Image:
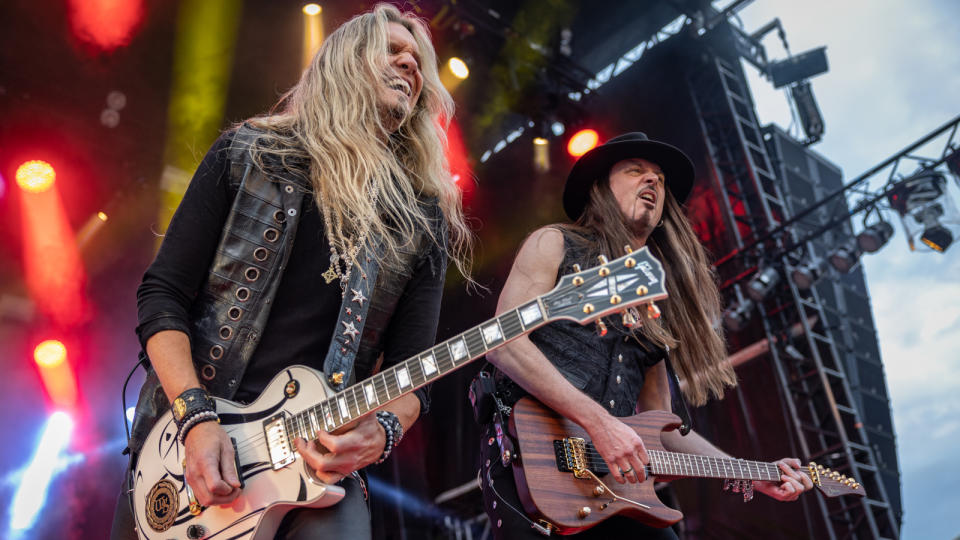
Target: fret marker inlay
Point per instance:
(429, 364)
(403, 378)
(458, 349)
(370, 394)
(491, 333)
(530, 314)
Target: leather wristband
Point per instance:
(190, 403)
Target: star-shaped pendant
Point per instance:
(358, 296)
(349, 329)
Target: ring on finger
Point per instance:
(625, 471)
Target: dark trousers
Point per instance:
(507, 516)
(349, 518)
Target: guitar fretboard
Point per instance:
(405, 377)
(677, 464)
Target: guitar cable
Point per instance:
(539, 528)
(123, 397)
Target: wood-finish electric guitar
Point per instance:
(298, 402)
(565, 484)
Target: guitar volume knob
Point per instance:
(583, 512)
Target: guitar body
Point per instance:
(557, 496)
(160, 500)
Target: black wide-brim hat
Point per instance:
(676, 167)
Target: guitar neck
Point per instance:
(692, 465)
(405, 377)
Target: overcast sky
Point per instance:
(894, 77)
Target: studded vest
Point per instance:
(232, 308)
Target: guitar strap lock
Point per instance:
(508, 450)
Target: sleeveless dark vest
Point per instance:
(231, 310)
(609, 369)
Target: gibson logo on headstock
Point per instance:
(647, 270)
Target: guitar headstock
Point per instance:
(634, 279)
(832, 483)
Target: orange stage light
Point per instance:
(56, 372)
(52, 268)
(35, 176)
(582, 142)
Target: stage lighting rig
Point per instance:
(926, 209)
(808, 273)
(736, 317)
(763, 283)
(845, 257)
(873, 237)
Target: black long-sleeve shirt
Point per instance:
(304, 313)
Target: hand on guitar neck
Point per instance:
(792, 482)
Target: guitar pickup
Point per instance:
(279, 444)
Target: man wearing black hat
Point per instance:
(625, 192)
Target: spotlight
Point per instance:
(582, 142)
(35, 176)
(808, 273)
(872, 238)
(458, 67)
(935, 235)
(845, 257)
(557, 128)
(312, 9)
(736, 317)
(763, 283)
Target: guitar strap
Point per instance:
(677, 402)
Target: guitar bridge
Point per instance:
(279, 444)
(571, 456)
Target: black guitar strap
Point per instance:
(677, 402)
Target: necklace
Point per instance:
(350, 248)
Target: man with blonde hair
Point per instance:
(318, 234)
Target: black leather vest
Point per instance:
(232, 308)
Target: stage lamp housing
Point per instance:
(845, 257)
(763, 283)
(874, 237)
(808, 273)
(737, 316)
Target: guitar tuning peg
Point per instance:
(602, 259)
(629, 321)
(627, 249)
(576, 267)
(601, 328)
(653, 310)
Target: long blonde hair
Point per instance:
(330, 119)
(692, 309)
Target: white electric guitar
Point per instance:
(298, 402)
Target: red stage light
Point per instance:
(35, 176)
(107, 24)
(56, 372)
(582, 142)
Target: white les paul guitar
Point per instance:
(298, 402)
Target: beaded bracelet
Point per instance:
(199, 418)
(393, 430)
